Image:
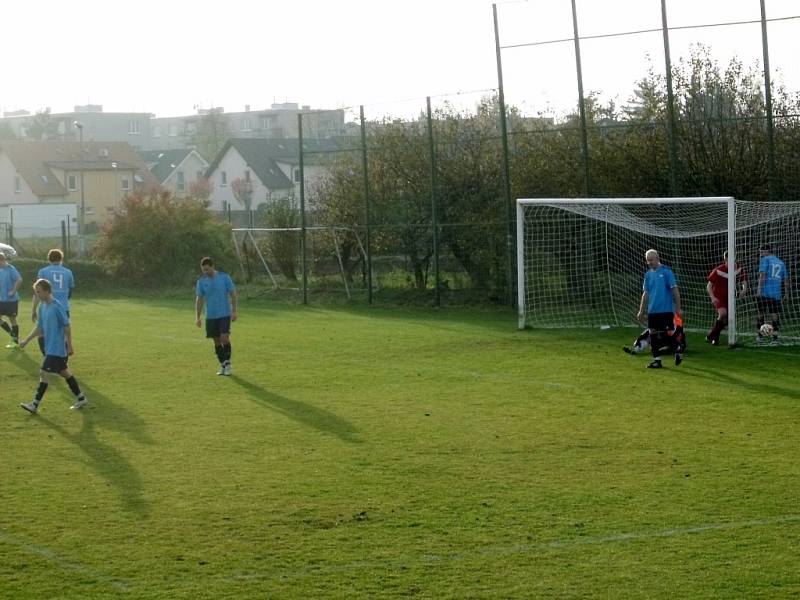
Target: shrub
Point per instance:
(157, 238)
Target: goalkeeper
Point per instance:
(661, 297)
(642, 343)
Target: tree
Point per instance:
(156, 237)
(243, 192)
(6, 132)
(213, 130)
(41, 126)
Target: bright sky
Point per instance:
(167, 57)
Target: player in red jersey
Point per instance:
(717, 288)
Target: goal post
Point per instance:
(580, 261)
(335, 253)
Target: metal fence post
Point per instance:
(771, 178)
(434, 214)
(672, 129)
(581, 104)
(367, 224)
(302, 207)
(511, 252)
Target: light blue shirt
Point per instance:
(52, 320)
(215, 290)
(775, 272)
(658, 284)
(61, 280)
(8, 277)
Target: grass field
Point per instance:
(395, 453)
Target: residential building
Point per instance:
(277, 122)
(50, 172)
(98, 126)
(176, 170)
(267, 168)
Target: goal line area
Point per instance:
(580, 261)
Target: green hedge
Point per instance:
(88, 275)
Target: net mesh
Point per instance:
(582, 264)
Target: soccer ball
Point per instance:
(766, 330)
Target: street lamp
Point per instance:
(82, 214)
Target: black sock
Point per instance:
(5, 326)
(226, 352)
(15, 332)
(220, 351)
(73, 385)
(40, 392)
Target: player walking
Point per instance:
(662, 298)
(216, 290)
(53, 324)
(10, 280)
(62, 282)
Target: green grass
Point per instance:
(395, 453)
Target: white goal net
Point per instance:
(335, 258)
(580, 262)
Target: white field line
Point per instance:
(424, 559)
(70, 565)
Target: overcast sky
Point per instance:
(170, 56)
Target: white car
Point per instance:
(8, 251)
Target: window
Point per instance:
(156, 130)
(245, 124)
(180, 182)
(72, 183)
(223, 178)
(134, 127)
(191, 128)
(126, 184)
(17, 185)
(173, 130)
(297, 175)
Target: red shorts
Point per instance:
(720, 304)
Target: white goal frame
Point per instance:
(247, 233)
(728, 202)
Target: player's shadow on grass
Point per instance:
(759, 387)
(112, 415)
(107, 462)
(318, 418)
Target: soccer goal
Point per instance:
(332, 254)
(580, 262)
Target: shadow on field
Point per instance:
(104, 459)
(318, 418)
(114, 416)
(107, 462)
(726, 377)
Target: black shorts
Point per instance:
(765, 305)
(661, 322)
(54, 364)
(9, 309)
(218, 327)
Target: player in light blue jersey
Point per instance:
(53, 324)
(10, 280)
(62, 282)
(771, 275)
(217, 291)
(662, 298)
